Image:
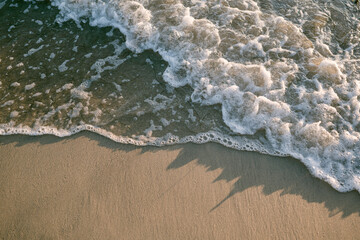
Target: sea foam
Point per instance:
(278, 76)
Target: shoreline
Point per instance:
(87, 186)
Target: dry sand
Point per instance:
(88, 187)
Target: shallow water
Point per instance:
(278, 77)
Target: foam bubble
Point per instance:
(29, 86)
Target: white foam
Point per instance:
(117, 86)
(37, 94)
(8, 103)
(159, 102)
(2, 4)
(63, 67)
(29, 86)
(266, 74)
(80, 93)
(33, 50)
(14, 114)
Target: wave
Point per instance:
(285, 77)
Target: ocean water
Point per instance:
(277, 77)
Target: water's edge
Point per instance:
(244, 74)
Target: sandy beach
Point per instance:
(88, 187)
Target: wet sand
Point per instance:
(88, 187)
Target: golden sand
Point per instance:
(88, 187)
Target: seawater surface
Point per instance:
(277, 77)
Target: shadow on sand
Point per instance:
(287, 175)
